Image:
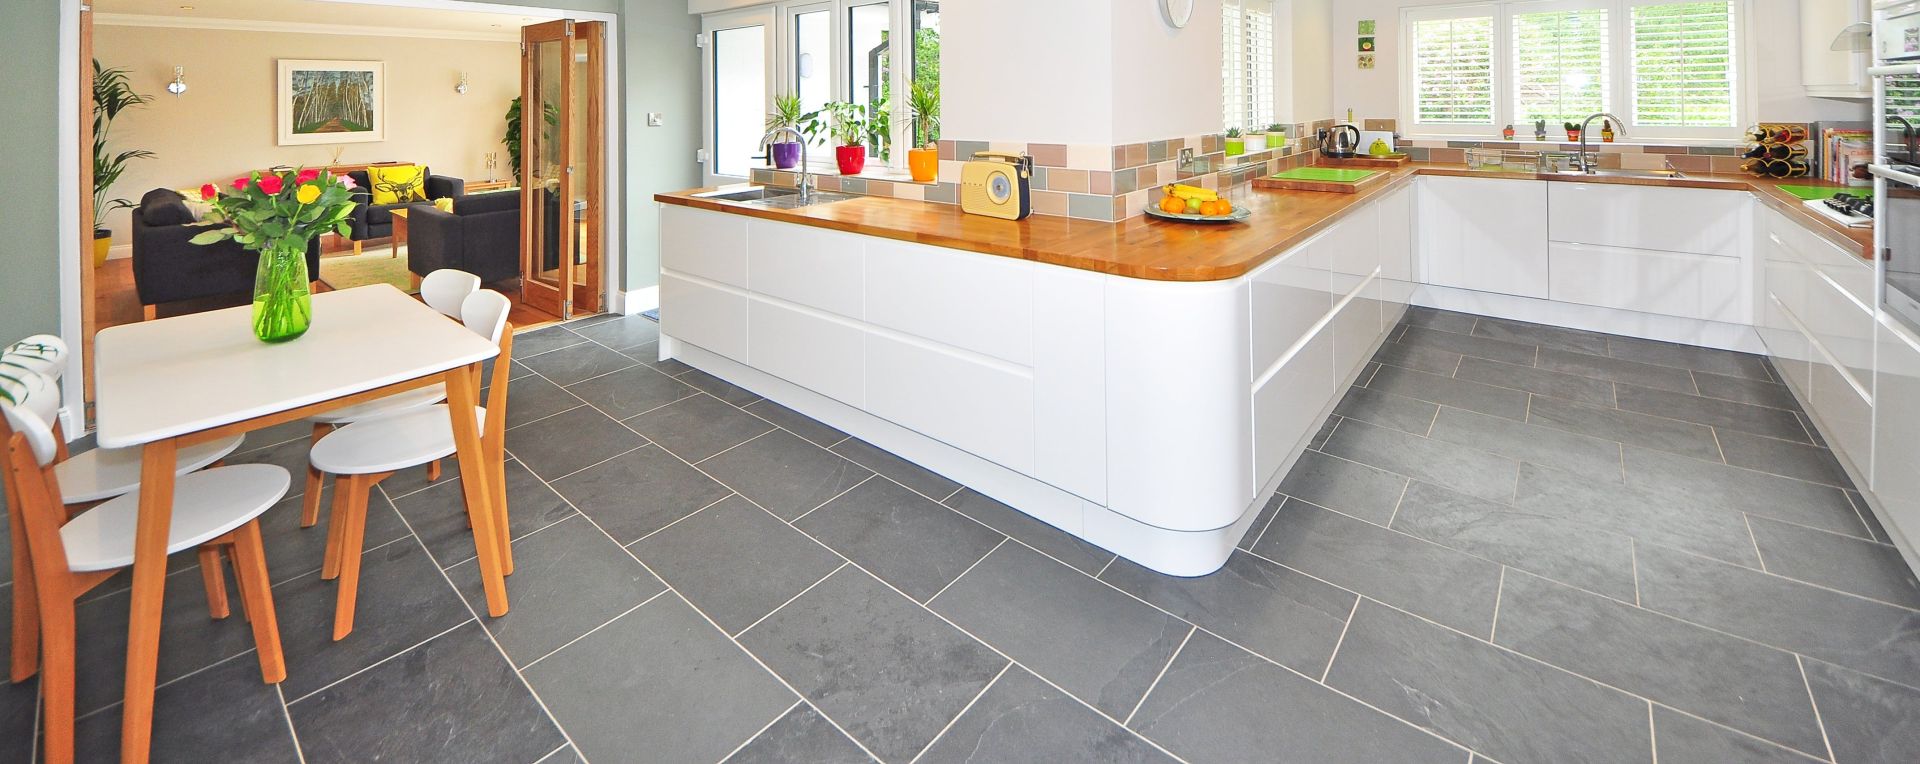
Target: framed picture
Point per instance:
(331, 102)
(1366, 45)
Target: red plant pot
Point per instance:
(852, 159)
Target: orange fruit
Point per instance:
(1211, 208)
(1173, 204)
(1225, 207)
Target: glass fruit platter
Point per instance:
(1195, 205)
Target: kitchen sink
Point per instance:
(776, 198)
(1616, 173)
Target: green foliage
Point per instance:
(512, 138)
(846, 123)
(787, 112)
(112, 93)
(926, 111)
(281, 221)
(1233, 132)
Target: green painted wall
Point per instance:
(29, 264)
(660, 71)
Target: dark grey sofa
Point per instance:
(168, 267)
(375, 221)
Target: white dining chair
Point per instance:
(69, 557)
(443, 290)
(88, 477)
(362, 454)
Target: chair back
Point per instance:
(42, 353)
(485, 312)
(31, 401)
(447, 289)
(27, 461)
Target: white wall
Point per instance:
(1021, 70)
(1774, 56)
(1166, 81)
(1309, 79)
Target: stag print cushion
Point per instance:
(398, 184)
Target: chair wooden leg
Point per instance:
(356, 247)
(310, 502)
(504, 532)
(250, 567)
(343, 486)
(214, 576)
(353, 534)
(149, 312)
(239, 584)
(433, 471)
(26, 609)
(56, 681)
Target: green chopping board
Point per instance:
(1325, 175)
(1826, 192)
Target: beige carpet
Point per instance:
(371, 266)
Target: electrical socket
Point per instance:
(656, 119)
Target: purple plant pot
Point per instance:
(786, 156)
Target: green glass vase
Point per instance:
(282, 294)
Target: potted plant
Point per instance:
(1256, 139)
(1236, 145)
(1276, 136)
(512, 139)
(846, 124)
(923, 161)
(111, 94)
(786, 113)
(1573, 132)
(276, 214)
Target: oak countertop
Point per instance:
(1151, 248)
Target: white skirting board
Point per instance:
(631, 301)
(1688, 331)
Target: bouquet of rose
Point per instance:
(277, 214)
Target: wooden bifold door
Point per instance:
(562, 132)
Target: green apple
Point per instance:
(1193, 206)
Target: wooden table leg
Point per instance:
(476, 483)
(148, 594)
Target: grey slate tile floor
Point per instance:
(1514, 544)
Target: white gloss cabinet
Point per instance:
(1896, 481)
(1706, 287)
(1691, 220)
(1484, 234)
(1818, 325)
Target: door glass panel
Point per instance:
(579, 122)
(547, 160)
(813, 62)
(739, 97)
(867, 27)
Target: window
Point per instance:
(1668, 68)
(1246, 69)
(739, 97)
(812, 78)
(871, 72)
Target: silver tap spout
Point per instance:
(1619, 128)
(806, 178)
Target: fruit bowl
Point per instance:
(1238, 214)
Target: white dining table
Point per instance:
(162, 385)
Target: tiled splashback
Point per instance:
(1112, 183)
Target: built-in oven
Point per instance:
(1897, 222)
(1896, 107)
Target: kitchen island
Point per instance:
(1142, 385)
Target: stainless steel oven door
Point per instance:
(1897, 213)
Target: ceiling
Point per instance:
(222, 13)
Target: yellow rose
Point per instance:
(307, 193)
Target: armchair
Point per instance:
(480, 236)
(375, 221)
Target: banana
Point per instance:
(1191, 192)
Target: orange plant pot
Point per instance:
(924, 164)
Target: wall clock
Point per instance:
(1178, 12)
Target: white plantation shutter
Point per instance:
(1452, 70)
(1560, 64)
(1683, 71)
(1247, 52)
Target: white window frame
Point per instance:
(1620, 70)
(1272, 72)
(716, 22)
(782, 74)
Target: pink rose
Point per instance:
(307, 176)
(240, 184)
(208, 192)
(346, 181)
(271, 184)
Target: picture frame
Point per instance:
(323, 101)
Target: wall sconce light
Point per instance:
(179, 83)
(462, 87)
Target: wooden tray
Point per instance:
(1388, 161)
(1326, 179)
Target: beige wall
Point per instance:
(224, 125)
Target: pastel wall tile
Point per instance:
(1090, 207)
(1100, 183)
(1728, 165)
(914, 191)
(1049, 154)
(1074, 181)
(946, 150)
(1049, 203)
(1691, 162)
(1643, 161)
(1082, 156)
(945, 193)
(1125, 181)
(964, 150)
(1004, 147)
(949, 171)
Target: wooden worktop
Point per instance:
(1163, 250)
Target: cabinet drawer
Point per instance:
(1691, 220)
(1844, 413)
(1787, 344)
(713, 317)
(814, 351)
(1291, 294)
(1897, 429)
(710, 245)
(1288, 406)
(1484, 234)
(1847, 270)
(814, 267)
(980, 407)
(976, 302)
(1668, 283)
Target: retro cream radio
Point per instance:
(997, 185)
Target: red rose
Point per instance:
(208, 192)
(240, 184)
(270, 184)
(307, 176)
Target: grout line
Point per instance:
(1818, 719)
(1499, 592)
(963, 712)
(286, 713)
(797, 595)
(976, 564)
(1162, 675)
(1401, 501)
(716, 454)
(1747, 520)
(1103, 568)
(1653, 735)
(1325, 672)
(956, 492)
(677, 521)
(798, 702)
(602, 461)
(543, 759)
(1633, 558)
(830, 499)
(584, 635)
(159, 685)
(375, 664)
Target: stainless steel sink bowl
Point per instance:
(775, 198)
(1627, 173)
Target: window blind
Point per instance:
(1453, 70)
(1683, 71)
(1559, 65)
(1247, 31)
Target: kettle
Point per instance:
(1341, 142)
